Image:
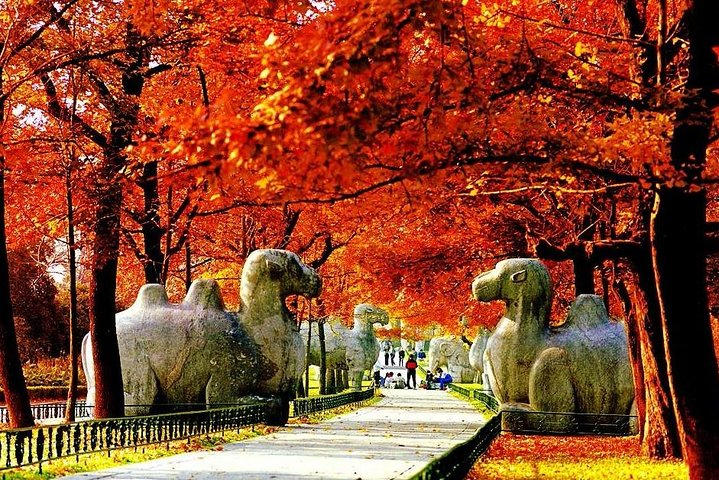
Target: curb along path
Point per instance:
(394, 438)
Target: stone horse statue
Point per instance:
(580, 366)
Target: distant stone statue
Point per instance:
(362, 345)
(354, 350)
(451, 352)
(580, 366)
(196, 352)
(476, 354)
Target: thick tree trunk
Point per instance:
(109, 401)
(677, 231)
(323, 356)
(74, 344)
(661, 434)
(152, 231)
(11, 375)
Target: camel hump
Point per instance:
(151, 295)
(588, 311)
(204, 293)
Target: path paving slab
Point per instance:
(392, 439)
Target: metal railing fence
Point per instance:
(305, 406)
(457, 462)
(549, 423)
(28, 446)
(45, 411)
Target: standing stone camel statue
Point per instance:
(581, 366)
(196, 352)
(354, 350)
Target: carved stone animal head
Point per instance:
(371, 314)
(278, 270)
(447, 351)
(516, 280)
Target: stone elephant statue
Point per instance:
(451, 353)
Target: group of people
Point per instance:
(390, 353)
(438, 379)
(390, 380)
(434, 380)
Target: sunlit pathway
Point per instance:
(394, 438)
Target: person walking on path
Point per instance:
(387, 348)
(411, 372)
(401, 357)
(392, 354)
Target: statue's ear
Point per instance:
(445, 349)
(274, 268)
(519, 277)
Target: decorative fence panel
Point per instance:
(45, 411)
(305, 406)
(29, 446)
(459, 460)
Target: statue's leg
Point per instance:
(141, 386)
(551, 390)
(345, 379)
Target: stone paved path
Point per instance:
(394, 438)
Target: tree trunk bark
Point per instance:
(109, 399)
(629, 305)
(661, 434)
(677, 231)
(307, 362)
(323, 356)
(74, 344)
(11, 375)
(188, 265)
(152, 231)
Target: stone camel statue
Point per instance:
(354, 350)
(450, 352)
(196, 352)
(580, 366)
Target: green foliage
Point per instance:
(41, 331)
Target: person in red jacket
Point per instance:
(411, 367)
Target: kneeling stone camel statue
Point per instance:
(196, 352)
(580, 366)
(355, 349)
